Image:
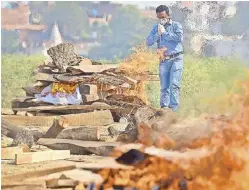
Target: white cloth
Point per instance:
(161, 29)
(59, 98)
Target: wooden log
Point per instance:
(91, 68)
(32, 185)
(37, 173)
(57, 183)
(31, 90)
(92, 133)
(58, 108)
(33, 157)
(11, 130)
(89, 118)
(10, 152)
(76, 175)
(45, 77)
(26, 102)
(90, 98)
(58, 125)
(76, 146)
(81, 133)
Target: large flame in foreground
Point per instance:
(219, 162)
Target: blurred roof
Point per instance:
(18, 18)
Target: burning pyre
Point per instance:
(220, 161)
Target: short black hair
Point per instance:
(162, 8)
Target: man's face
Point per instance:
(162, 17)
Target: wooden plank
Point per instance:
(10, 152)
(92, 68)
(77, 175)
(37, 173)
(37, 184)
(33, 157)
(47, 142)
(70, 107)
(57, 183)
(44, 77)
(80, 147)
(89, 118)
(91, 133)
(90, 98)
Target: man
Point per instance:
(168, 35)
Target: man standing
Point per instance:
(168, 35)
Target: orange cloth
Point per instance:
(63, 88)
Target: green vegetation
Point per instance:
(17, 73)
(205, 82)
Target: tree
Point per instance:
(128, 28)
(70, 17)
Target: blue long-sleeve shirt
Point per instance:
(172, 39)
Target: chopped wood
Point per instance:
(91, 133)
(57, 183)
(10, 129)
(47, 142)
(89, 118)
(91, 68)
(58, 125)
(69, 78)
(69, 107)
(25, 103)
(7, 111)
(31, 90)
(81, 133)
(32, 157)
(42, 83)
(32, 185)
(79, 147)
(45, 77)
(90, 98)
(10, 152)
(37, 173)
